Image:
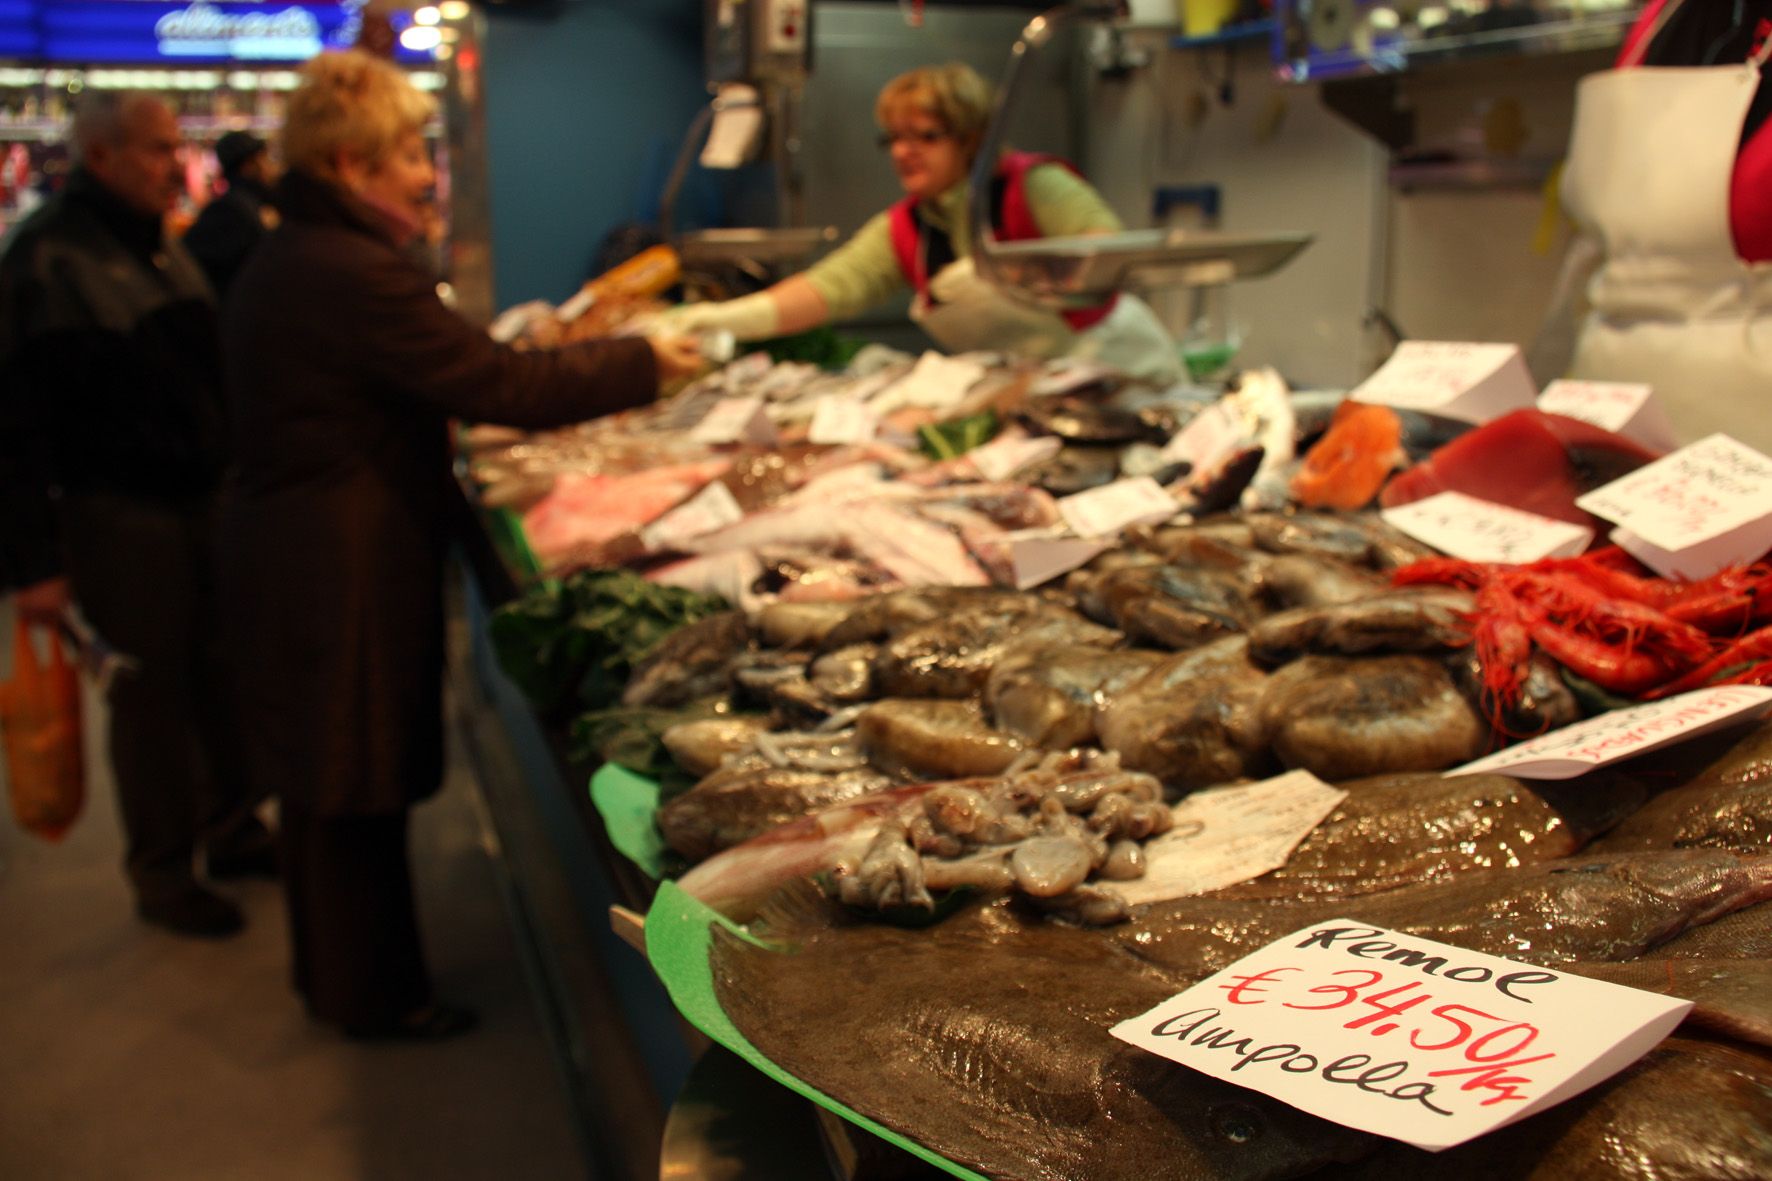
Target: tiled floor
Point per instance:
(132, 1055)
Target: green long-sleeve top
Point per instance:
(864, 271)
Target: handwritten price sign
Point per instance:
(1691, 513)
(1483, 531)
(1625, 733)
(1469, 382)
(1404, 1037)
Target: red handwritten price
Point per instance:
(1400, 1035)
(1489, 1071)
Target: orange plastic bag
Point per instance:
(40, 726)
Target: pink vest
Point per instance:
(1015, 224)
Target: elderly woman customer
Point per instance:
(344, 370)
(932, 121)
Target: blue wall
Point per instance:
(585, 110)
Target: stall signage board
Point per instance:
(1483, 531)
(712, 508)
(1012, 451)
(1116, 506)
(1469, 382)
(1625, 733)
(1690, 514)
(735, 420)
(838, 419)
(219, 31)
(1209, 438)
(1230, 835)
(1624, 408)
(1403, 1037)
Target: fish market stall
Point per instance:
(1018, 698)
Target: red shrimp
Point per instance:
(1619, 668)
(1504, 648)
(1579, 608)
(1444, 572)
(1749, 649)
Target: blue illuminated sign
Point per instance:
(196, 32)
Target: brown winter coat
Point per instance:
(343, 369)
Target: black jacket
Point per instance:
(344, 368)
(226, 231)
(110, 369)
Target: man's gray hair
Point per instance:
(100, 117)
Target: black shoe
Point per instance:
(251, 862)
(193, 911)
(427, 1023)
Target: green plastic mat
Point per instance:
(512, 544)
(677, 944)
(628, 802)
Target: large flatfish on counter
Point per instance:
(1594, 907)
(985, 1039)
(1731, 997)
(1395, 831)
(1745, 934)
(1689, 1110)
(1727, 805)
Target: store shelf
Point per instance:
(1411, 176)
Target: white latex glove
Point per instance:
(676, 356)
(750, 317)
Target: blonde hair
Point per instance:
(353, 103)
(953, 95)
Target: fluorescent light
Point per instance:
(420, 38)
(426, 15)
(454, 10)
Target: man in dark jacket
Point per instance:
(111, 438)
(231, 225)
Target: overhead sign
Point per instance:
(197, 32)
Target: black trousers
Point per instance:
(353, 930)
(144, 575)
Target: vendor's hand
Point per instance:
(953, 280)
(749, 317)
(677, 356)
(44, 602)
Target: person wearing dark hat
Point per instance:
(231, 225)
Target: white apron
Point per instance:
(1650, 160)
(973, 314)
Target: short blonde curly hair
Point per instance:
(953, 94)
(354, 103)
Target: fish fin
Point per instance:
(797, 910)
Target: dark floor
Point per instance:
(129, 1054)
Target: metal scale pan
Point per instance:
(1075, 271)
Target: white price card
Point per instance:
(735, 420)
(1469, 382)
(1690, 514)
(1625, 733)
(1483, 531)
(1040, 555)
(1119, 505)
(1404, 1037)
(838, 418)
(1624, 408)
(710, 509)
(1230, 835)
(1067, 374)
(1011, 452)
(934, 382)
(1208, 439)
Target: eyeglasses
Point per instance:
(921, 138)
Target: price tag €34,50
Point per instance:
(1404, 1037)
